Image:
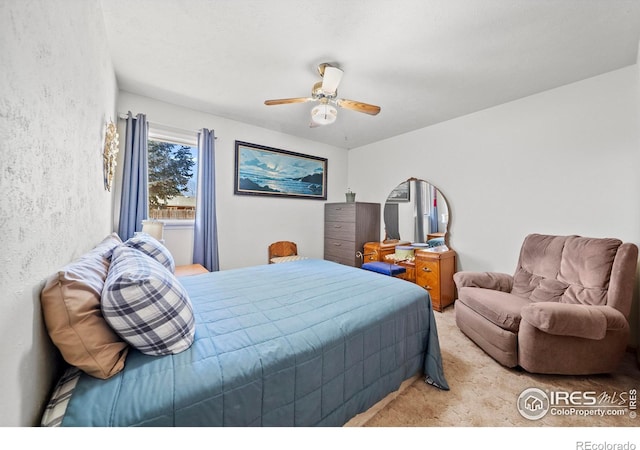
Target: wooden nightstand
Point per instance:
(190, 269)
(434, 272)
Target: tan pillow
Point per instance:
(70, 303)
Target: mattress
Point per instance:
(307, 343)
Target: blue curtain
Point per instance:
(134, 199)
(205, 238)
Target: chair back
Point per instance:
(578, 270)
(282, 248)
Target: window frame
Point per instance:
(176, 136)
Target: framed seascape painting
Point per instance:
(270, 171)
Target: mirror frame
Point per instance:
(404, 196)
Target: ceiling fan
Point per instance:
(325, 93)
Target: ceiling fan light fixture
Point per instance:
(324, 114)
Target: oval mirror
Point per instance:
(416, 211)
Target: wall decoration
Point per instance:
(402, 193)
(109, 154)
(270, 171)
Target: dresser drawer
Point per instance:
(340, 251)
(371, 252)
(428, 277)
(410, 274)
(347, 261)
(434, 272)
(337, 246)
(340, 212)
(340, 230)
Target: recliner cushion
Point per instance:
(500, 308)
(586, 267)
(548, 290)
(487, 280)
(540, 259)
(563, 319)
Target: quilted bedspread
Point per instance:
(304, 343)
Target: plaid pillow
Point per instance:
(146, 304)
(152, 247)
(60, 398)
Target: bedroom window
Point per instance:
(173, 169)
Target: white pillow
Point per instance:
(152, 247)
(146, 304)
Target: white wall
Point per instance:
(57, 91)
(561, 162)
(248, 224)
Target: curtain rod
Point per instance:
(162, 125)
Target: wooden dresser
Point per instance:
(434, 272)
(377, 251)
(431, 270)
(347, 226)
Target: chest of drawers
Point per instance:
(347, 226)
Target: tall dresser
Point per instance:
(347, 226)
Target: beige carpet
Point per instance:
(484, 393)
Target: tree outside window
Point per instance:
(172, 180)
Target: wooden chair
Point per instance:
(282, 248)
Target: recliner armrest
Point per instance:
(486, 280)
(565, 319)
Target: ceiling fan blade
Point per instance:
(331, 79)
(358, 106)
(286, 101)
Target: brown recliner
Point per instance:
(564, 311)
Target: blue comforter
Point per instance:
(305, 343)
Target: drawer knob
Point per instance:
(337, 244)
(337, 226)
(427, 287)
(426, 269)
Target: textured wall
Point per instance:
(57, 90)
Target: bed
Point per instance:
(303, 343)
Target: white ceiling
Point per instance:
(421, 61)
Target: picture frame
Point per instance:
(401, 194)
(268, 171)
